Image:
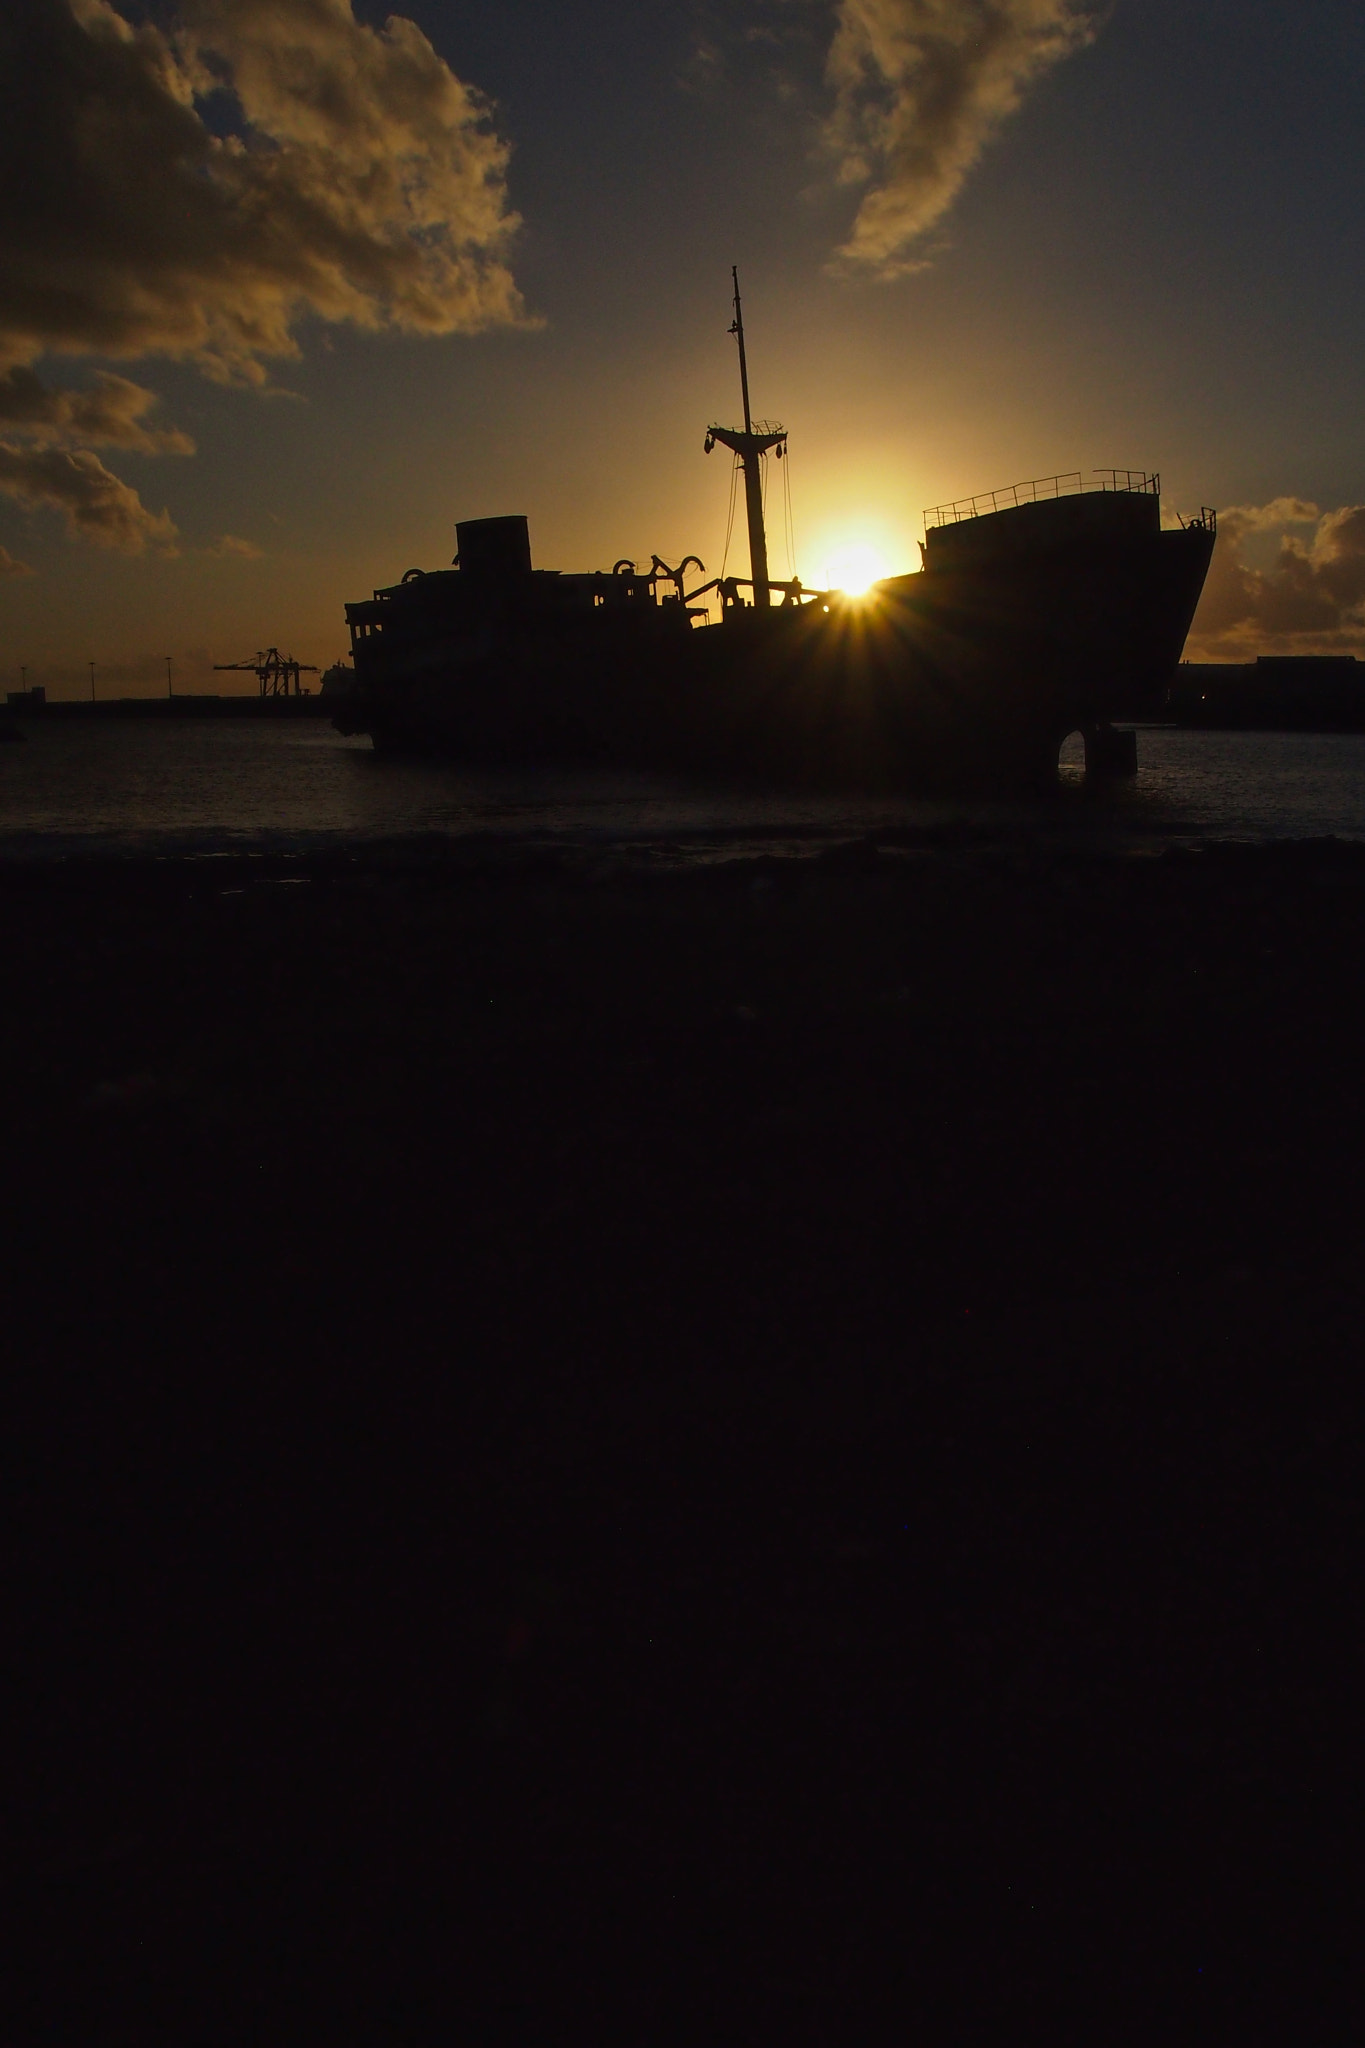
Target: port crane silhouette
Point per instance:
(278, 674)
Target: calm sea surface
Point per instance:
(216, 786)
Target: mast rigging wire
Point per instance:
(730, 516)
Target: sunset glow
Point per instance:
(215, 432)
(854, 567)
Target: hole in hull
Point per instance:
(1071, 758)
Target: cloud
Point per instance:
(760, 51)
(196, 191)
(920, 88)
(233, 547)
(110, 414)
(9, 566)
(96, 504)
(1279, 513)
(1310, 595)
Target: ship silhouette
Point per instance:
(1051, 607)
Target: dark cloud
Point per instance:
(920, 88)
(112, 413)
(10, 566)
(1311, 592)
(96, 504)
(771, 52)
(347, 174)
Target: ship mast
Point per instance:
(738, 330)
(749, 446)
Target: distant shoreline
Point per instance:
(188, 706)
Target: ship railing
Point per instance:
(1071, 483)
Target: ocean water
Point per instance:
(231, 785)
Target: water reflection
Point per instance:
(226, 784)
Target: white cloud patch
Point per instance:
(1308, 596)
(97, 506)
(921, 87)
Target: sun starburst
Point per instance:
(853, 567)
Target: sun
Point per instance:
(854, 567)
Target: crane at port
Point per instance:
(278, 674)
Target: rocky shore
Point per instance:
(763, 1449)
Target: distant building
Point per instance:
(1277, 692)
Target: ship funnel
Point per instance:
(494, 549)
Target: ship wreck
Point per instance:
(1052, 607)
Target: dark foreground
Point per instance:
(769, 1454)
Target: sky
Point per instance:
(287, 287)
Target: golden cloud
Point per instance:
(11, 566)
(920, 87)
(97, 505)
(347, 173)
(195, 191)
(111, 413)
(1310, 596)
